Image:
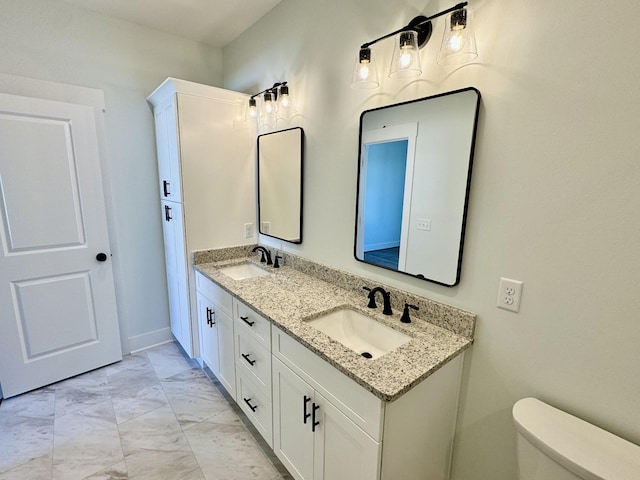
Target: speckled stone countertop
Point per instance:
(288, 297)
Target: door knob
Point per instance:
(101, 257)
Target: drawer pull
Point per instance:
(165, 188)
(314, 424)
(246, 320)
(305, 415)
(248, 402)
(249, 361)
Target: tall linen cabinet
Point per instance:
(206, 166)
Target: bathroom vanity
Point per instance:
(327, 411)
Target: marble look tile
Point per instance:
(168, 360)
(86, 442)
(135, 361)
(195, 475)
(114, 472)
(155, 447)
(37, 468)
(80, 392)
(193, 397)
(131, 404)
(229, 452)
(26, 428)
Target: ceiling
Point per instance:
(213, 22)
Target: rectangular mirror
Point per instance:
(414, 172)
(280, 160)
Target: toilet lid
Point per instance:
(582, 448)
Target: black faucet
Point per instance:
(405, 314)
(264, 252)
(386, 297)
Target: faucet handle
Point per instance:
(372, 298)
(276, 264)
(262, 257)
(405, 314)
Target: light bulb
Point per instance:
(406, 57)
(284, 100)
(253, 110)
(364, 71)
(268, 102)
(456, 42)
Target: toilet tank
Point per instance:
(553, 445)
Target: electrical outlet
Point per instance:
(424, 224)
(266, 227)
(248, 230)
(509, 294)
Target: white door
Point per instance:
(58, 314)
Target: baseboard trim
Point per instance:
(150, 339)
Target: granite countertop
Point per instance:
(287, 297)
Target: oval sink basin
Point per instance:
(359, 332)
(243, 271)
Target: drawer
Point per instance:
(255, 361)
(213, 292)
(256, 406)
(251, 322)
(353, 400)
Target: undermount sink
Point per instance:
(243, 271)
(359, 332)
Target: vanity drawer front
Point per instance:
(256, 406)
(213, 292)
(257, 325)
(254, 361)
(358, 404)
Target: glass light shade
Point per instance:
(285, 105)
(365, 73)
(458, 42)
(406, 57)
(253, 108)
(268, 107)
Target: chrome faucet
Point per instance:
(264, 252)
(386, 297)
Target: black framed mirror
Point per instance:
(414, 174)
(280, 170)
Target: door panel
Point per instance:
(58, 313)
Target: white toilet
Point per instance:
(553, 445)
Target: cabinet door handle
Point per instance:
(249, 361)
(165, 188)
(304, 406)
(314, 424)
(246, 320)
(167, 213)
(210, 317)
(248, 402)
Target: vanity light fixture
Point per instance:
(458, 46)
(275, 99)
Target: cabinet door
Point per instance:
(342, 450)
(168, 147)
(178, 289)
(292, 408)
(227, 370)
(208, 333)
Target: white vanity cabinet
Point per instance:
(327, 427)
(206, 166)
(253, 368)
(214, 307)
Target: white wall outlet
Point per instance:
(424, 224)
(248, 230)
(509, 294)
(266, 227)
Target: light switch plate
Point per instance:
(509, 294)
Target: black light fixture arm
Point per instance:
(273, 89)
(416, 24)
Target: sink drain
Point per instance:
(366, 355)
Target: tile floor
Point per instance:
(155, 415)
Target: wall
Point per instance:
(554, 195)
(51, 40)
